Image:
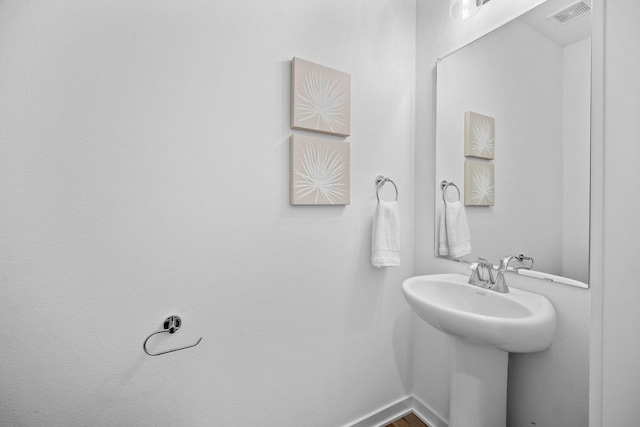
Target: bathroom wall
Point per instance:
(144, 171)
(616, 315)
(548, 388)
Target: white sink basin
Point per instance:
(482, 326)
(518, 321)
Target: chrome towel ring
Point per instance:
(444, 185)
(380, 181)
(171, 325)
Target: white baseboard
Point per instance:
(427, 415)
(399, 409)
(386, 415)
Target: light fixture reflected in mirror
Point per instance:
(463, 9)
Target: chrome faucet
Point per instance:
(487, 281)
(500, 285)
(478, 278)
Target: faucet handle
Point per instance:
(475, 267)
(487, 264)
(483, 264)
(504, 263)
(475, 278)
(522, 258)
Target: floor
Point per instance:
(409, 421)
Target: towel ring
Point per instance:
(171, 325)
(380, 181)
(444, 185)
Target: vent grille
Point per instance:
(570, 13)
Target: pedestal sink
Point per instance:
(482, 327)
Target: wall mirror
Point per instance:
(519, 98)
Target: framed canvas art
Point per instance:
(320, 98)
(479, 135)
(320, 171)
(479, 183)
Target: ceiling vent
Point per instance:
(570, 13)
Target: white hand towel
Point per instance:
(441, 234)
(454, 235)
(385, 240)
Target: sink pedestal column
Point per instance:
(478, 384)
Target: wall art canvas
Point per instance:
(479, 183)
(320, 98)
(479, 135)
(320, 171)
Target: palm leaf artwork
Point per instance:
(482, 140)
(321, 101)
(482, 187)
(479, 135)
(320, 98)
(320, 172)
(479, 184)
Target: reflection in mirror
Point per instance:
(521, 94)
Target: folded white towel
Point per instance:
(385, 240)
(453, 235)
(441, 232)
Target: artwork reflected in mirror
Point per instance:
(528, 82)
(479, 135)
(479, 183)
